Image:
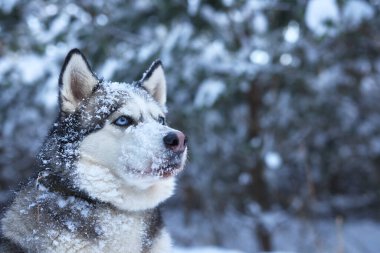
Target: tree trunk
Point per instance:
(259, 188)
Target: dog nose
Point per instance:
(176, 141)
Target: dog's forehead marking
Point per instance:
(139, 108)
(134, 101)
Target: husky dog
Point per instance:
(107, 164)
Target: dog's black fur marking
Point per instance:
(155, 225)
(7, 246)
(150, 71)
(57, 164)
(48, 211)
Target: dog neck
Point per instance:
(101, 184)
(53, 183)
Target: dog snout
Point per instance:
(176, 141)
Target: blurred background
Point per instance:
(280, 100)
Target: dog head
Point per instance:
(124, 152)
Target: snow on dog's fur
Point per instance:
(108, 162)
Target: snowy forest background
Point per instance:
(280, 100)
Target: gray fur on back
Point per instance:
(7, 246)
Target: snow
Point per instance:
(260, 23)
(109, 68)
(51, 9)
(208, 93)
(290, 234)
(273, 160)
(30, 66)
(292, 32)
(259, 57)
(193, 6)
(286, 59)
(256, 5)
(58, 26)
(357, 11)
(245, 179)
(318, 13)
(214, 52)
(8, 5)
(102, 20)
(203, 250)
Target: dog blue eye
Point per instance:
(162, 120)
(123, 121)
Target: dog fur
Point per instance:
(105, 167)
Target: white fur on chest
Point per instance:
(121, 233)
(101, 183)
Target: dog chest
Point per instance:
(120, 233)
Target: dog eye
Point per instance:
(162, 120)
(123, 121)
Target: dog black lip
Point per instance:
(171, 166)
(168, 170)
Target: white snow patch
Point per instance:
(273, 160)
(257, 5)
(109, 68)
(102, 20)
(292, 32)
(71, 226)
(355, 12)
(318, 13)
(193, 6)
(260, 23)
(245, 179)
(147, 52)
(58, 26)
(51, 9)
(208, 93)
(204, 250)
(259, 57)
(286, 59)
(30, 66)
(61, 202)
(214, 52)
(8, 5)
(289, 234)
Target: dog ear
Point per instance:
(154, 82)
(76, 81)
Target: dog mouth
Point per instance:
(169, 165)
(168, 171)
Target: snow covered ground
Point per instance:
(235, 233)
(204, 250)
